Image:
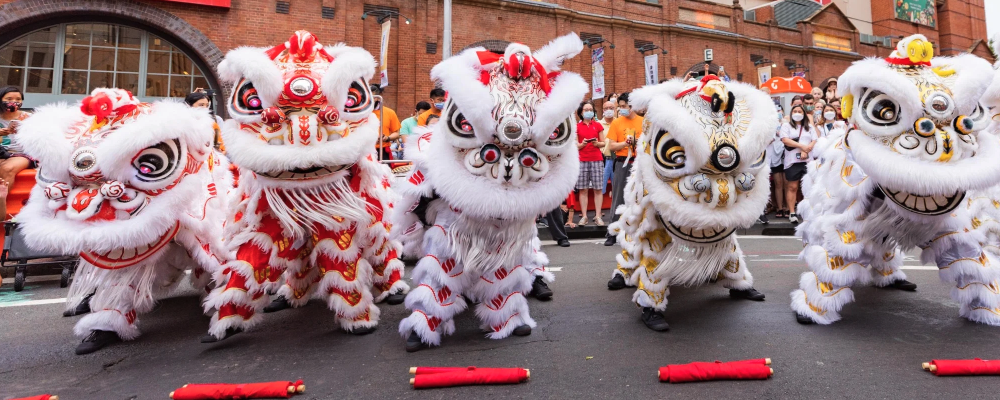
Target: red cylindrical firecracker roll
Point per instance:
(963, 367)
(471, 376)
(223, 391)
(40, 397)
(439, 370)
(710, 371)
(759, 361)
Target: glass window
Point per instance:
(831, 42)
(72, 59)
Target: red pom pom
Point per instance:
(98, 105)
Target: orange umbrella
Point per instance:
(795, 84)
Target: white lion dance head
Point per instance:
(918, 120)
(702, 155)
(505, 145)
(116, 176)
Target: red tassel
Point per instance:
(222, 391)
(39, 397)
(431, 377)
(709, 371)
(963, 367)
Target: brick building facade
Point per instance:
(684, 28)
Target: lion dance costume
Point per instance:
(310, 200)
(916, 170)
(700, 173)
(134, 188)
(502, 154)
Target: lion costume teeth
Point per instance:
(699, 174)
(312, 203)
(135, 189)
(500, 156)
(916, 170)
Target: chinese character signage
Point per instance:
(652, 69)
(918, 11)
(383, 68)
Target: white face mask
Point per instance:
(829, 115)
(797, 117)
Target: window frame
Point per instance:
(34, 99)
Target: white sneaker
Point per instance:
(793, 218)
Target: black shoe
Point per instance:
(395, 298)
(654, 320)
(763, 219)
(96, 341)
(563, 242)
(610, 241)
(208, 338)
(540, 289)
(802, 319)
(279, 303)
(82, 308)
(413, 343)
(903, 284)
(522, 330)
(749, 294)
(617, 282)
(362, 331)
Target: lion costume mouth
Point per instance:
(698, 235)
(126, 257)
(304, 173)
(924, 205)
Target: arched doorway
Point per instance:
(59, 51)
(493, 45)
(698, 70)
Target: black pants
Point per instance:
(556, 221)
(618, 181)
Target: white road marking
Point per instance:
(32, 302)
(553, 269)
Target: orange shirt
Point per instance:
(622, 128)
(390, 124)
(422, 119)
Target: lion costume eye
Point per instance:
(245, 99)
(669, 153)
(458, 124)
(880, 109)
(924, 127)
(560, 135)
(359, 99)
(157, 162)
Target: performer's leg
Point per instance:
(387, 269)
(81, 289)
(737, 278)
(617, 196)
(437, 297)
(123, 295)
(651, 294)
(886, 273)
(346, 278)
(976, 274)
(825, 290)
(299, 286)
(502, 307)
(541, 277)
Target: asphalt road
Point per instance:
(589, 343)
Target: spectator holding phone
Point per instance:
(798, 137)
(590, 141)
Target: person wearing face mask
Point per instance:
(590, 139)
(828, 121)
(14, 160)
(798, 137)
(809, 105)
(621, 141)
(438, 97)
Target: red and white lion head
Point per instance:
(116, 175)
(300, 110)
(505, 145)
